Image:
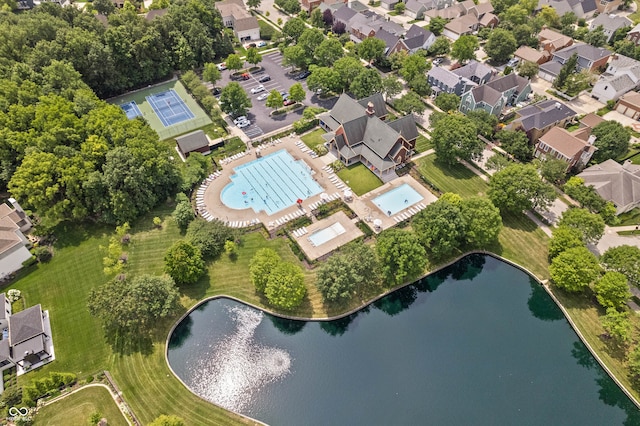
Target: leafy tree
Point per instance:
(274, 100)
(104, 7)
(254, 4)
(172, 420)
(519, 187)
(515, 15)
(612, 140)
(464, 48)
(328, 52)
(436, 25)
(447, 102)
(634, 366)
(208, 237)
(366, 83)
(347, 68)
(574, 269)
(549, 16)
(596, 37)
(612, 290)
(183, 262)
(231, 248)
(500, 45)
(260, 267)
(297, 93)
(564, 238)
(483, 221)
(590, 225)
(371, 49)
(310, 39)
(197, 168)
(553, 170)
(589, 198)
(253, 56)
(345, 274)
(401, 256)
(568, 18)
(183, 214)
(455, 136)
(399, 8)
(234, 100)
(528, 69)
(440, 227)
(338, 28)
(296, 56)
(410, 102)
(525, 35)
(420, 85)
(567, 69)
(391, 86)
(285, 287)
(293, 29)
(211, 73)
(325, 79)
(131, 308)
(485, 122)
(316, 18)
(624, 259)
(413, 66)
(292, 7)
(617, 325)
(517, 144)
(440, 47)
(327, 17)
(234, 62)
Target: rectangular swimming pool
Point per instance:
(397, 199)
(324, 235)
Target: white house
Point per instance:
(235, 16)
(13, 244)
(622, 76)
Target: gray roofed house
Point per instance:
(475, 71)
(622, 76)
(389, 39)
(617, 183)
(589, 57)
(28, 339)
(193, 142)
(415, 38)
(581, 8)
(549, 70)
(363, 136)
(236, 16)
(537, 119)
(496, 94)
(344, 14)
(610, 24)
(442, 80)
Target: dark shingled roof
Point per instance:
(542, 114)
(344, 14)
(25, 324)
(406, 126)
(583, 50)
(378, 104)
(192, 141)
(389, 39)
(346, 109)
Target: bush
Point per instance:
(302, 125)
(320, 150)
(90, 379)
(14, 295)
(42, 253)
(29, 262)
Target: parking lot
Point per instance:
(259, 114)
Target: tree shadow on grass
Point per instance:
(68, 234)
(128, 343)
(197, 290)
(518, 221)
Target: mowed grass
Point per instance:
(76, 409)
(314, 138)
(359, 178)
(423, 143)
(451, 178)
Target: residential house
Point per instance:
(366, 23)
(582, 8)
(193, 142)
(629, 105)
(634, 35)
(416, 8)
(537, 119)
(391, 41)
(610, 24)
(622, 76)
(358, 133)
(464, 25)
(451, 12)
(496, 94)
(551, 40)
(416, 38)
(608, 6)
(560, 144)
(590, 58)
(614, 182)
(13, 244)
(587, 124)
(529, 54)
(309, 5)
(459, 81)
(235, 15)
(388, 4)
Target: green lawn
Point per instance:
(635, 16)
(359, 178)
(139, 97)
(423, 144)
(75, 409)
(314, 138)
(451, 178)
(632, 217)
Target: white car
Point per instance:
(257, 89)
(263, 96)
(261, 44)
(222, 66)
(438, 61)
(240, 119)
(243, 124)
(513, 62)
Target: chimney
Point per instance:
(626, 164)
(370, 111)
(591, 140)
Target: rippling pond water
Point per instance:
(478, 343)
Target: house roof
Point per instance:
(389, 39)
(5, 353)
(344, 14)
(405, 126)
(580, 7)
(486, 19)
(446, 13)
(379, 105)
(632, 98)
(445, 76)
(482, 8)
(30, 346)
(634, 29)
(486, 94)
(233, 8)
(25, 325)
(610, 22)
(591, 120)
(416, 37)
(9, 237)
(558, 39)
(192, 141)
(3, 301)
(247, 23)
(563, 142)
(379, 136)
(530, 54)
(552, 68)
(474, 69)
(583, 50)
(462, 24)
(507, 82)
(617, 183)
(545, 113)
(414, 5)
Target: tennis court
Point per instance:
(131, 109)
(170, 107)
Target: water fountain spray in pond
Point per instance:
(238, 366)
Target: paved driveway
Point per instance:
(259, 114)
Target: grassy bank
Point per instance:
(77, 408)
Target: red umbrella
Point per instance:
(299, 201)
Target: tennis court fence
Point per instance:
(184, 127)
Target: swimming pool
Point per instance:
(324, 235)
(400, 198)
(271, 183)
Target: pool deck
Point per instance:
(363, 206)
(314, 252)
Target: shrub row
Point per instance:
(204, 98)
(40, 388)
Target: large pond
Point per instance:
(478, 343)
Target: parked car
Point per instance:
(261, 44)
(284, 95)
(264, 78)
(303, 75)
(289, 102)
(245, 76)
(222, 66)
(513, 62)
(263, 97)
(216, 91)
(438, 61)
(250, 45)
(240, 119)
(257, 89)
(243, 124)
